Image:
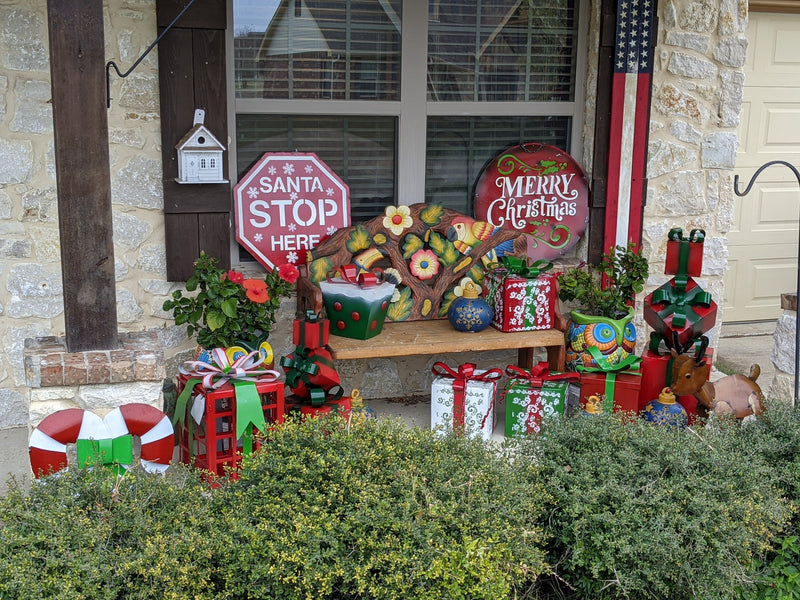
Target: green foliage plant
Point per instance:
(648, 512)
(608, 289)
(229, 309)
(383, 511)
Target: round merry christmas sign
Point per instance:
(539, 190)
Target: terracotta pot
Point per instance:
(614, 338)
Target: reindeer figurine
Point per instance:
(736, 395)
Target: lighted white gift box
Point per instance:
(479, 412)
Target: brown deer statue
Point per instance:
(735, 395)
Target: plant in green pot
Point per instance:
(604, 298)
(227, 310)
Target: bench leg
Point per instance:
(557, 357)
(525, 358)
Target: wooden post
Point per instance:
(77, 73)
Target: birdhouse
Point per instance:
(199, 154)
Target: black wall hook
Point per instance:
(111, 64)
(797, 291)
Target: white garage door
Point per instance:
(763, 241)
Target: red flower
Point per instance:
(256, 290)
(235, 276)
(288, 272)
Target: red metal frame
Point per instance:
(215, 449)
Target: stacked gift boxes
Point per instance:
(310, 372)
(212, 434)
(680, 313)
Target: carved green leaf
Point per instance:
(444, 249)
(318, 269)
(447, 300)
(359, 240)
(431, 214)
(476, 272)
(400, 310)
(411, 244)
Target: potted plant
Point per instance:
(229, 310)
(604, 295)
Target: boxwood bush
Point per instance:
(595, 509)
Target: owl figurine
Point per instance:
(616, 340)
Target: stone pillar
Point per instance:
(783, 351)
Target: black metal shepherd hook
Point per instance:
(797, 291)
(111, 63)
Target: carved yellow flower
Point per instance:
(397, 219)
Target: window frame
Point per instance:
(413, 108)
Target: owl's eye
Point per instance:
(601, 335)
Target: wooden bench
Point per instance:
(423, 303)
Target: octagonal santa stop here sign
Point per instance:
(286, 204)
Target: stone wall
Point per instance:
(698, 86)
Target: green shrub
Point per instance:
(87, 534)
(646, 512)
(382, 511)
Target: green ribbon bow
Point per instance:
(520, 267)
(300, 367)
(117, 450)
(680, 302)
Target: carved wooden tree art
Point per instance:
(460, 247)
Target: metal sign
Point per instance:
(537, 189)
(286, 204)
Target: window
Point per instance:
(406, 100)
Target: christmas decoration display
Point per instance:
(220, 407)
(522, 294)
(310, 373)
(463, 399)
(680, 306)
(536, 395)
(665, 410)
(102, 441)
(356, 301)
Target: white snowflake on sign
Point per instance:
(292, 226)
(272, 170)
(252, 191)
(293, 195)
(292, 257)
(258, 237)
(309, 169)
(330, 230)
(288, 168)
(329, 191)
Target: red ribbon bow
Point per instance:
(350, 274)
(465, 374)
(539, 374)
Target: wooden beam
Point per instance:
(77, 73)
(779, 6)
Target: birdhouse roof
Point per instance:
(189, 141)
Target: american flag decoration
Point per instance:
(630, 113)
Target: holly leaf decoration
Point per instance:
(359, 240)
(318, 269)
(432, 214)
(444, 249)
(400, 310)
(411, 244)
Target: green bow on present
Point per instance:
(300, 367)
(520, 267)
(117, 450)
(680, 302)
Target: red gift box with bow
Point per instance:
(309, 368)
(681, 309)
(685, 254)
(311, 330)
(618, 386)
(522, 296)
